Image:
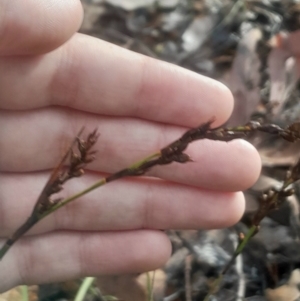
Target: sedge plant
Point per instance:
(81, 152)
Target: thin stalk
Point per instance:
(150, 286)
(99, 183)
(31, 221)
(240, 247)
(149, 289)
(84, 287)
(74, 197)
(24, 293)
(138, 164)
(4, 249)
(246, 239)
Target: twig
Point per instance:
(187, 277)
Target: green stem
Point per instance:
(99, 183)
(215, 286)
(240, 248)
(74, 197)
(84, 287)
(24, 293)
(150, 285)
(138, 164)
(246, 239)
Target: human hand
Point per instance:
(139, 105)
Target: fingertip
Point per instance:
(208, 99)
(223, 211)
(35, 27)
(188, 97)
(68, 19)
(224, 110)
(254, 165)
(251, 168)
(156, 252)
(236, 209)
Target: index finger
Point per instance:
(95, 76)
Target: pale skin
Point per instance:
(52, 82)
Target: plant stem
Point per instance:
(31, 221)
(240, 247)
(84, 287)
(99, 183)
(24, 293)
(74, 197)
(150, 286)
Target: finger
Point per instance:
(95, 76)
(69, 255)
(217, 165)
(123, 205)
(34, 27)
